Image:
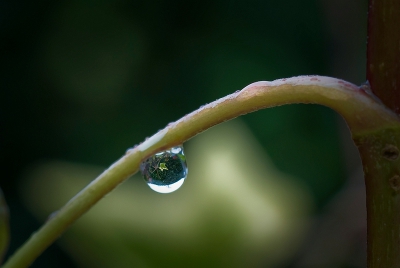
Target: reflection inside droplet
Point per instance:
(165, 171)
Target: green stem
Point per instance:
(71, 211)
(380, 157)
(365, 116)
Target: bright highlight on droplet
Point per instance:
(165, 171)
(166, 189)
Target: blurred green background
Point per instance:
(82, 81)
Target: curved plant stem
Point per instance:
(365, 116)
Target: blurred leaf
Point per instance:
(4, 230)
(234, 210)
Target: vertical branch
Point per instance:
(383, 51)
(380, 156)
(381, 162)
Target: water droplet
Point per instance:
(165, 171)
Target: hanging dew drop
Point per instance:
(165, 171)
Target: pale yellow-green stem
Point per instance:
(364, 114)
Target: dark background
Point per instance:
(82, 81)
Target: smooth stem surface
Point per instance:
(383, 51)
(364, 115)
(77, 206)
